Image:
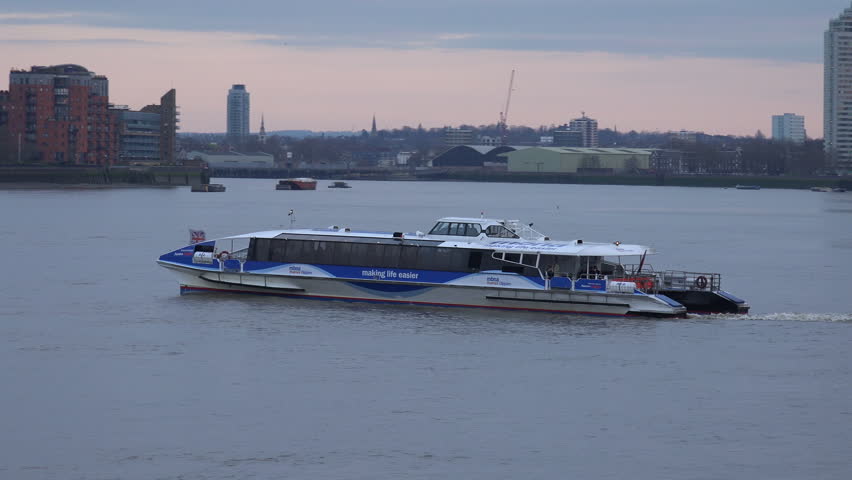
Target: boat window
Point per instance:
(408, 256)
(426, 259)
(529, 259)
(204, 248)
(322, 250)
(342, 254)
(375, 255)
(359, 254)
(513, 257)
(441, 228)
(473, 229)
(259, 249)
(450, 259)
(390, 259)
(421, 257)
(474, 260)
(278, 251)
(456, 229)
(499, 231)
(296, 252)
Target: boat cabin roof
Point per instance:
(543, 246)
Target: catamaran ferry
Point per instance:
(460, 262)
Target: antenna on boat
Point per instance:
(292, 215)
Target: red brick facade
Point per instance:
(62, 112)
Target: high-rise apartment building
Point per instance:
(788, 127)
(588, 129)
(61, 114)
(238, 113)
(837, 109)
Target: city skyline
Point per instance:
(621, 76)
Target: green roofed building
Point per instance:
(579, 160)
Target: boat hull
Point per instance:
(708, 302)
(549, 301)
(296, 184)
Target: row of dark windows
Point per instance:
(376, 255)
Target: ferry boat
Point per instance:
(460, 262)
(296, 184)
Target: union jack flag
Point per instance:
(196, 236)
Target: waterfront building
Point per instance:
(168, 113)
(579, 160)
(837, 107)
(474, 156)
(138, 135)
(457, 136)
(61, 113)
(788, 127)
(238, 113)
(588, 128)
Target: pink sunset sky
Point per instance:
(339, 87)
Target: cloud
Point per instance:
(35, 16)
(765, 29)
(30, 17)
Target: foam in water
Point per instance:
(784, 317)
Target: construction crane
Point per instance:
(503, 126)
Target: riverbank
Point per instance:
(711, 181)
(27, 176)
(488, 175)
(42, 176)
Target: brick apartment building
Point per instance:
(61, 113)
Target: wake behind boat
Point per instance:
(460, 262)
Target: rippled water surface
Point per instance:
(108, 373)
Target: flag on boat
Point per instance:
(197, 236)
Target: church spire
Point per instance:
(373, 130)
(262, 136)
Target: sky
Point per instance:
(722, 66)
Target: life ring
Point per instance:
(224, 255)
(701, 282)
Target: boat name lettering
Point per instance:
(389, 274)
(525, 245)
(297, 270)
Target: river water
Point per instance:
(107, 372)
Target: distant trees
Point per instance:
(708, 154)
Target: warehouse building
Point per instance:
(474, 156)
(579, 160)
